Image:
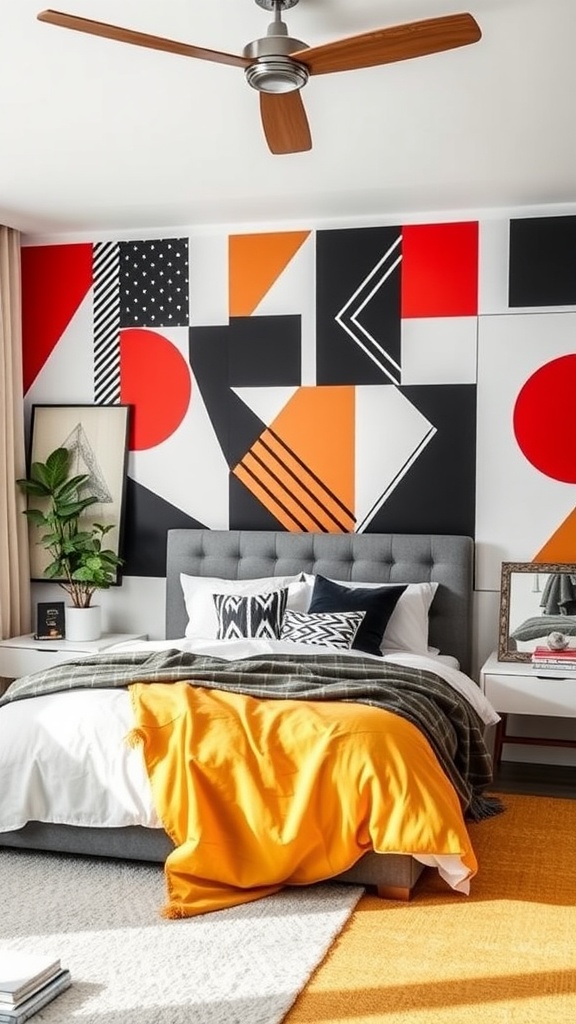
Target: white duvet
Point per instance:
(64, 758)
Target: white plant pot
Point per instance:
(83, 624)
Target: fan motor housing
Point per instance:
(274, 70)
(276, 74)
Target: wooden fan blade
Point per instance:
(126, 35)
(386, 45)
(284, 122)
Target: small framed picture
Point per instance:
(50, 621)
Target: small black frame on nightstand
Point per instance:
(50, 621)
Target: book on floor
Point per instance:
(22, 973)
(41, 997)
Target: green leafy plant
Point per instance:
(80, 565)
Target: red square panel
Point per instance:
(440, 269)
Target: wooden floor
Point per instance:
(536, 779)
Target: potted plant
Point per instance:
(80, 564)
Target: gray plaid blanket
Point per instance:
(449, 722)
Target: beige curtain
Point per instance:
(14, 564)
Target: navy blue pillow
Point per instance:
(378, 603)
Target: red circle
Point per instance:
(155, 380)
(544, 419)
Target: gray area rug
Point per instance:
(245, 965)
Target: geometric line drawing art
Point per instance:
(106, 323)
(84, 461)
(290, 490)
(348, 316)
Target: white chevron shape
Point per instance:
(348, 316)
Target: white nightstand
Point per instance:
(21, 655)
(514, 688)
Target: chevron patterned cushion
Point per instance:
(259, 615)
(336, 629)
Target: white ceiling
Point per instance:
(98, 136)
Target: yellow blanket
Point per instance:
(258, 794)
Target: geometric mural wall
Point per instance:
(526, 457)
(322, 379)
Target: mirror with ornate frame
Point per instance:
(536, 599)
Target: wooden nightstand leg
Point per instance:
(499, 738)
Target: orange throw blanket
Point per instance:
(258, 794)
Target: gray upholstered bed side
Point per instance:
(367, 557)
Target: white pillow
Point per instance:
(198, 597)
(408, 626)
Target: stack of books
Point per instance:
(27, 983)
(557, 663)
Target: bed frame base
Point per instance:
(393, 876)
(394, 892)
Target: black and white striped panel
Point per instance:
(106, 323)
(334, 629)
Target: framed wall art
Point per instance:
(97, 437)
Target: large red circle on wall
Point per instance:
(545, 419)
(155, 380)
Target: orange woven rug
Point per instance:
(506, 954)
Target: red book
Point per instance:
(568, 653)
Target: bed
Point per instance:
(440, 566)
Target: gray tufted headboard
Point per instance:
(365, 557)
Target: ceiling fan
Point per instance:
(278, 66)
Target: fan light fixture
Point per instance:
(273, 69)
(277, 66)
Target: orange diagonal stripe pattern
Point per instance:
(255, 263)
(302, 467)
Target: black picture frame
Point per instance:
(50, 621)
(98, 436)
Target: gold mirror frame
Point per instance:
(508, 569)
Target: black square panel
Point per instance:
(542, 261)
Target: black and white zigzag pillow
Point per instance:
(259, 615)
(334, 629)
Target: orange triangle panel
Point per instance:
(255, 263)
(561, 546)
